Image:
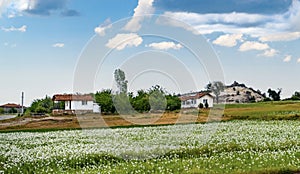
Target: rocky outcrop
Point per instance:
(240, 93)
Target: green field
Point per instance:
(261, 138)
(283, 110)
(232, 147)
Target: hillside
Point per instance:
(240, 93)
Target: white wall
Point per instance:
(77, 105)
(96, 108)
(209, 99)
(195, 104)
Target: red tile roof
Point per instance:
(72, 97)
(198, 95)
(11, 105)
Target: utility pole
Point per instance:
(22, 103)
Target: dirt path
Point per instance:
(97, 121)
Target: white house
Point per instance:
(76, 103)
(192, 100)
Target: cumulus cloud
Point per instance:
(270, 53)
(100, 30)
(256, 25)
(280, 37)
(58, 45)
(12, 28)
(39, 7)
(287, 58)
(224, 22)
(294, 15)
(252, 45)
(3, 5)
(144, 7)
(165, 45)
(228, 40)
(298, 60)
(121, 41)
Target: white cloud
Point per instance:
(21, 29)
(298, 60)
(165, 45)
(294, 15)
(58, 45)
(16, 7)
(36, 7)
(120, 41)
(224, 22)
(287, 58)
(270, 53)
(256, 25)
(280, 37)
(228, 40)
(101, 28)
(252, 45)
(3, 5)
(144, 7)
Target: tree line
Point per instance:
(151, 100)
(154, 99)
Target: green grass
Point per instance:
(283, 110)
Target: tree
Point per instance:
(104, 100)
(157, 98)
(173, 102)
(274, 95)
(41, 106)
(122, 104)
(121, 81)
(296, 96)
(216, 87)
(140, 102)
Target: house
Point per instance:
(192, 100)
(75, 104)
(11, 108)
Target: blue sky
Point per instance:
(43, 42)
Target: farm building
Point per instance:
(11, 108)
(75, 104)
(192, 100)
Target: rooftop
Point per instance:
(196, 95)
(72, 97)
(11, 105)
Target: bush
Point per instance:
(42, 106)
(200, 106)
(267, 99)
(12, 111)
(1, 111)
(105, 100)
(206, 105)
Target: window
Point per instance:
(205, 101)
(84, 102)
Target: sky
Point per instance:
(51, 47)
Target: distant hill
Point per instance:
(240, 93)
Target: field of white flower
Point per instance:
(225, 147)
